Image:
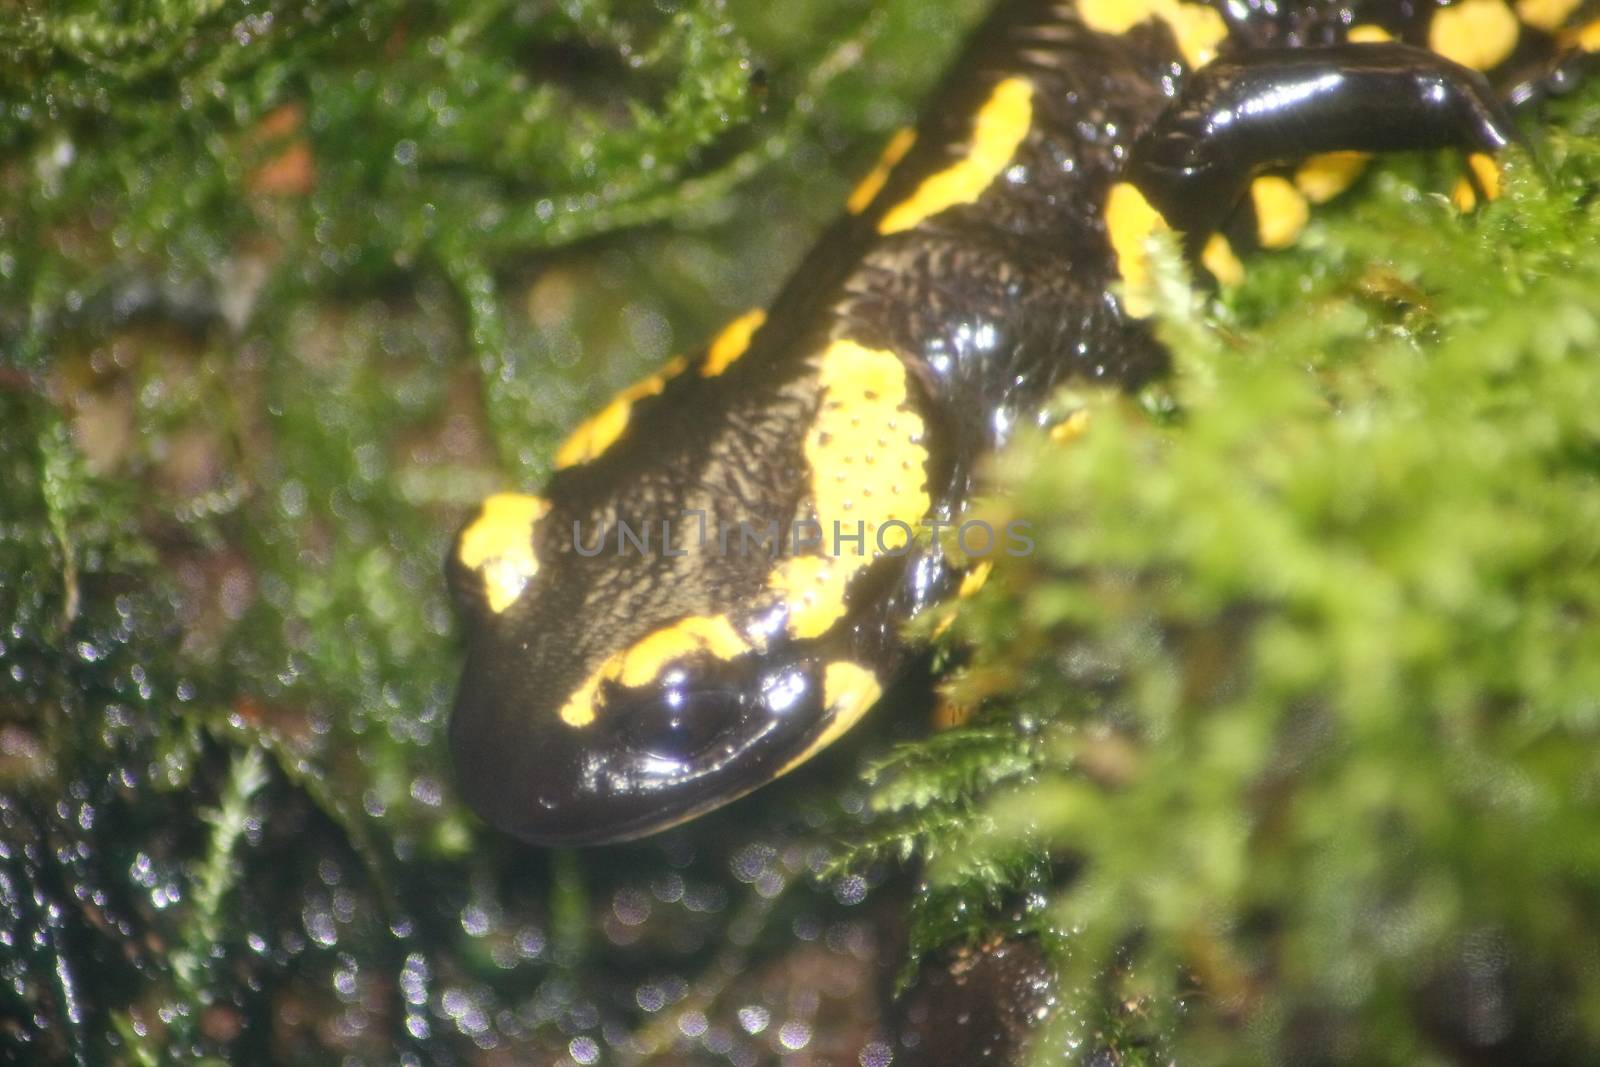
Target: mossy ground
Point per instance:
(1288, 728)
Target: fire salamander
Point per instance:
(631, 663)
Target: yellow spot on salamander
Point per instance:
(868, 466)
(1281, 212)
(1198, 28)
(1218, 258)
(499, 545)
(1130, 220)
(1115, 16)
(731, 343)
(596, 434)
(1547, 15)
(862, 196)
(1367, 33)
(1475, 33)
(1487, 173)
(697, 633)
(1001, 124)
(1325, 176)
(848, 692)
(1586, 37)
(645, 660)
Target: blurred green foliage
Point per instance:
(1287, 739)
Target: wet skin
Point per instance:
(995, 254)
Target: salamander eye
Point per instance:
(678, 722)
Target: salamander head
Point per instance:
(630, 666)
(609, 696)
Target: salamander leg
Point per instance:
(1560, 74)
(1242, 114)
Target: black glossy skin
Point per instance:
(990, 305)
(1197, 166)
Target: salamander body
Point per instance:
(712, 585)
